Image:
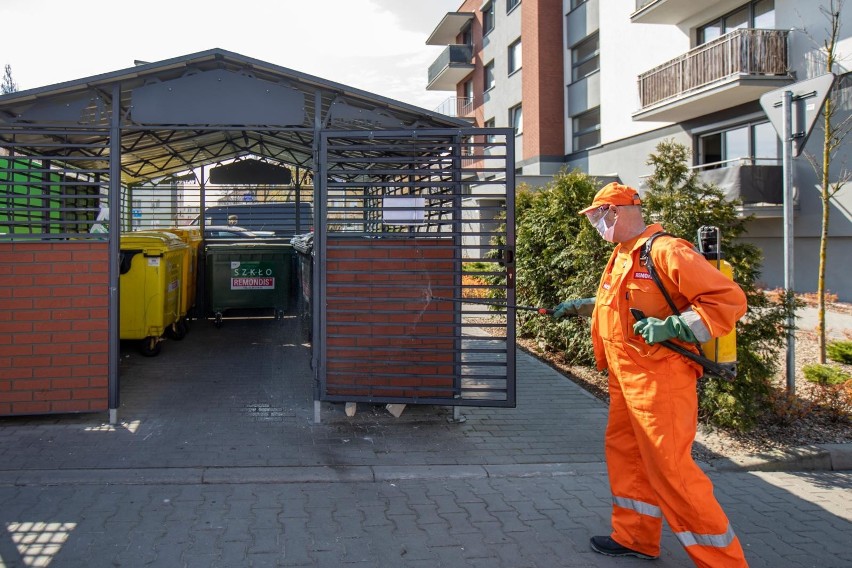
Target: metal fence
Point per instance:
(58, 192)
(413, 243)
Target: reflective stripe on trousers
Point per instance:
(639, 506)
(687, 538)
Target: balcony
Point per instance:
(450, 68)
(450, 27)
(731, 70)
(666, 11)
(758, 186)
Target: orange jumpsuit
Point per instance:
(653, 410)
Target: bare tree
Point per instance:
(8, 85)
(836, 126)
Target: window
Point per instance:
(487, 18)
(767, 144)
(759, 14)
(515, 56)
(467, 35)
(489, 76)
(577, 3)
(752, 143)
(516, 119)
(490, 139)
(465, 105)
(510, 5)
(468, 147)
(842, 92)
(468, 90)
(587, 129)
(585, 58)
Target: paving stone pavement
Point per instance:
(217, 461)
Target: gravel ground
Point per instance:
(805, 421)
(798, 421)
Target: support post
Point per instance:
(787, 165)
(114, 247)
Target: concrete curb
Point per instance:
(822, 457)
(818, 457)
(294, 474)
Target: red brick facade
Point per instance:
(543, 87)
(54, 340)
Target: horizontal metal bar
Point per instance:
(424, 400)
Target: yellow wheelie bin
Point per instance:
(151, 267)
(192, 237)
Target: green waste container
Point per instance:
(248, 275)
(303, 245)
(151, 267)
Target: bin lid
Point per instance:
(152, 242)
(187, 234)
(262, 246)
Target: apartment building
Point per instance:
(597, 84)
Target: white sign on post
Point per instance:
(807, 99)
(793, 110)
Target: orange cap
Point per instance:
(614, 194)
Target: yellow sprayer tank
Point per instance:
(723, 349)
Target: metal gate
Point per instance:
(414, 267)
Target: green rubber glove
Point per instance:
(576, 307)
(654, 330)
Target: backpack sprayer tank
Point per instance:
(723, 349)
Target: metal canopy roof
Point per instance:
(199, 109)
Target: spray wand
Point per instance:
(543, 311)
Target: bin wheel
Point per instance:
(177, 330)
(218, 321)
(150, 346)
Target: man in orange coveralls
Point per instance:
(653, 411)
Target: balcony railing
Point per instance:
(456, 107)
(451, 66)
(757, 183)
(749, 52)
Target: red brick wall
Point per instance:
(386, 336)
(543, 86)
(478, 73)
(53, 327)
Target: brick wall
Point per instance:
(53, 327)
(543, 86)
(386, 336)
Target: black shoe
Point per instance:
(608, 547)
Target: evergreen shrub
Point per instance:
(840, 351)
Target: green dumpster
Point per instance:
(248, 276)
(151, 267)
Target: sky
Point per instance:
(375, 45)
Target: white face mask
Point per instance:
(606, 230)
